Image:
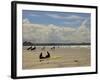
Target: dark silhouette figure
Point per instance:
(42, 57)
(29, 48)
(33, 48)
(75, 60)
(48, 55)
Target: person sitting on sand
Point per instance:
(47, 56)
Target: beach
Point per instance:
(59, 57)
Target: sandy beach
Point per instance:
(60, 57)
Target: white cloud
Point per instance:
(26, 21)
(84, 22)
(51, 33)
(34, 15)
(74, 17)
(56, 16)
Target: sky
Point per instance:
(56, 27)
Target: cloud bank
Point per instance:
(39, 33)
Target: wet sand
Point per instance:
(60, 57)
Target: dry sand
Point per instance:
(60, 57)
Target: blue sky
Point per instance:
(57, 18)
(56, 27)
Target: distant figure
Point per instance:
(33, 48)
(52, 48)
(75, 60)
(29, 48)
(43, 48)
